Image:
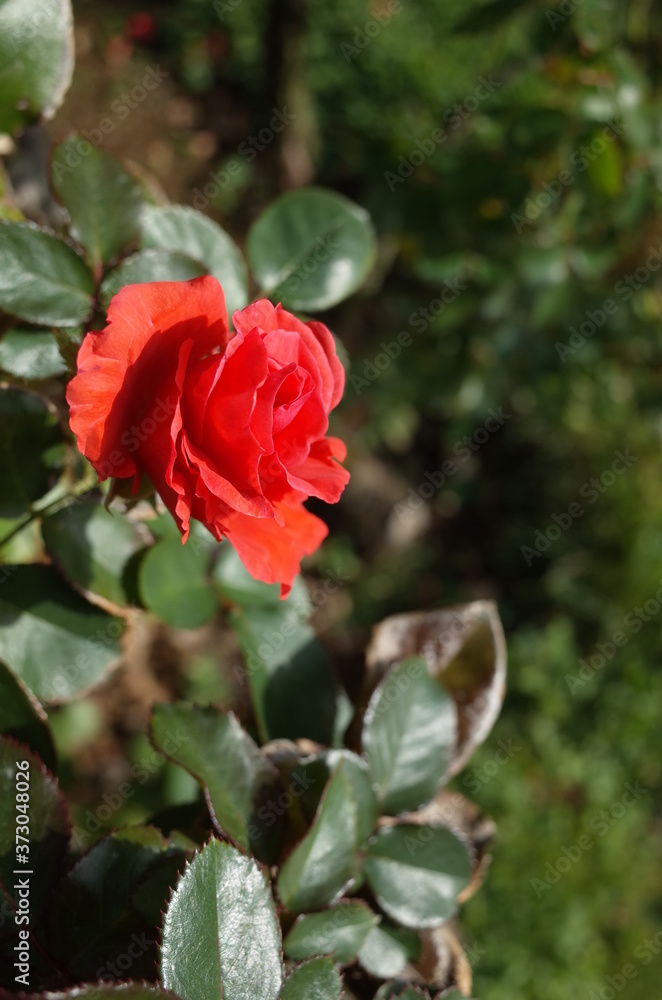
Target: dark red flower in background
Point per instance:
(230, 428)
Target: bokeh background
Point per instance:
(536, 220)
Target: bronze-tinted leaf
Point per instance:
(464, 647)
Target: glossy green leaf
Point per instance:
(314, 772)
(409, 735)
(92, 919)
(92, 546)
(214, 748)
(184, 230)
(42, 280)
(37, 59)
(55, 641)
(311, 249)
(149, 265)
(387, 950)
(23, 718)
(323, 864)
(48, 834)
(339, 931)
(173, 581)
(31, 355)
(291, 679)
(221, 936)
(102, 199)
(315, 980)
(29, 455)
(417, 873)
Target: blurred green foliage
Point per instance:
(515, 287)
(523, 285)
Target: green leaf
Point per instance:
(37, 59)
(417, 872)
(311, 249)
(102, 199)
(42, 280)
(214, 748)
(184, 230)
(23, 718)
(313, 774)
(55, 641)
(316, 980)
(31, 355)
(409, 735)
(323, 864)
(221, 936)
(48, 826)
(387, 950)
(149, 265)
(173, 581)
(29, 456)
(92, 547)
(465, 649)
(91, 919)
(340, 931)
(358, 773)
(293, 687)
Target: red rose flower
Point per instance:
(230, 428)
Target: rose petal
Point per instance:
(119, 368)
(158, 453)
(320, 475)
(271, 552)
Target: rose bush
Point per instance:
(229, 427)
